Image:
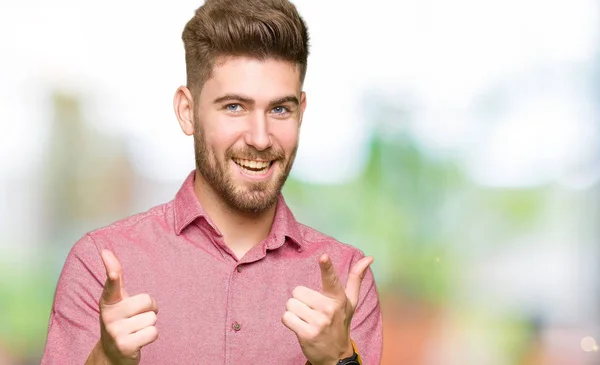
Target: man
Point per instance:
(238, 280)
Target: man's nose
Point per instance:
(258, 134)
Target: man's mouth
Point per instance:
(253, 167)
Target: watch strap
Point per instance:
(351, 360)
(354, 359)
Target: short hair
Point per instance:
(254, 28)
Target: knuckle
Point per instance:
(296, 292)
(326, 321)
(329, 309)
(109, 314)
(105, 318)
(146, 300)
(286, 317)
(323, 322)
(152, 333)
(312, 334)
(153, 317)
(112, 330)
(300, 291)
(333, 280)
(121, 344)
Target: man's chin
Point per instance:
(253, 198)
(250, 195)
(254, 206)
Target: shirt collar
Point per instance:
(284, 225)
(187, 209)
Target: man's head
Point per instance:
(246, 62)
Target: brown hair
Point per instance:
(254, 28)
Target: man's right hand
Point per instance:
(127, 323)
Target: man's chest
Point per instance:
(219, 312)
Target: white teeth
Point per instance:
(252, 172)
(252, 164)
(258, 167)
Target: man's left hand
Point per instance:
(321, 321)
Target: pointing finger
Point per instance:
(355, 278)
(114, 289)
(331, 282)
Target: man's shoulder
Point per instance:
(135, 222)
(313, 238)
(126, 238)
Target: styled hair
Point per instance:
(254, 28)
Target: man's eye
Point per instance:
(233, 108)
(280, 110)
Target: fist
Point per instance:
(321, 321)
(127, 323)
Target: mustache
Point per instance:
(253, 154)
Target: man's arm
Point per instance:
(74, 330)
(108, 331)
(366, 329)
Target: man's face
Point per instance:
(246, 128)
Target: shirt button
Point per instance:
(239, 268)
(236, 326)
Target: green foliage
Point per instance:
(392, 211)
(25, 298)
(410, 211)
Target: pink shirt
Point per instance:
(213, 308)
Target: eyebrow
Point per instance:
(236, 97)
(233, 97)
(286, 99)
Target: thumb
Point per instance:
(355, 278)
(114, 289)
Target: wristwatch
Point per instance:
(352, 360)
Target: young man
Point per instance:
(238, 280)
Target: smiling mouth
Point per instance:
(253, 167)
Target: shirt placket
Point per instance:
(234, 321)
(235, 334)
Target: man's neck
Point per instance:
(241, 230)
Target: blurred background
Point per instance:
(458, 142)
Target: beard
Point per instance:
(248, 197)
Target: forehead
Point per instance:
(260, 79)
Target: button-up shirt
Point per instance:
(213, 307)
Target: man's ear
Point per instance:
(183, 103)
(302, 106)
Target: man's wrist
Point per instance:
(98, 356)
(353, 359)
(349, 353)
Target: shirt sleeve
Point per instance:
(74, 326)
(366, 329)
